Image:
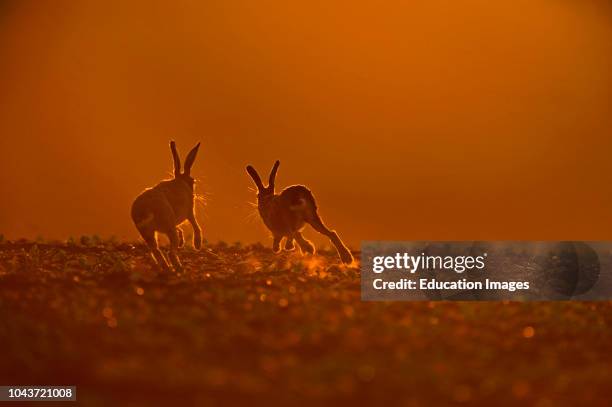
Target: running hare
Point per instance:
(162, 208)
(285, 214)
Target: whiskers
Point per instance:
(252, 210)
(201, 199)
(255, 191)
(252, 214)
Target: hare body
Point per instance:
(163, 208)
(284, 213)
(287, 213)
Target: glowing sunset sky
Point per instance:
(409, 120)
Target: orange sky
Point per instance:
(410, 120)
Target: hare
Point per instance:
(285, 215)
(162, 208)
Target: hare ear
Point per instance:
(273, 175)
(177, 160)
(191, 158)
(253, 173)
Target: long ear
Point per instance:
(273, 175)
(253, 173)
(191, 158)
(177, 160)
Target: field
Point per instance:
(243, 325)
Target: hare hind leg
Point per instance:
(276, 243)
(181, 238)
(166, 224)
(289, 243)
(173, 236)
(151, 239)
(320, 227)
(305, 245)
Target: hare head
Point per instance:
(264, 192)
(285, 215)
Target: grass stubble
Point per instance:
(244, 325)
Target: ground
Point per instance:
(243, 325)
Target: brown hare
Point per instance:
(286, 214)
(162, 208)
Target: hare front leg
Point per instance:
(197, 231)
(320, 227)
